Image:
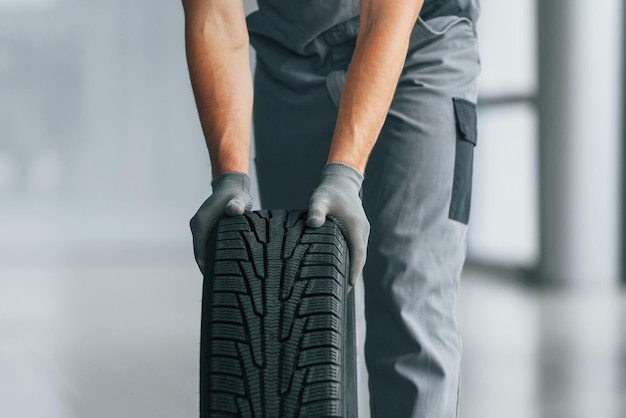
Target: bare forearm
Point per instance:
(370, 84)
(218, 59)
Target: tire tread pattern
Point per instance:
(273, 342)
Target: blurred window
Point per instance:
(504, 224)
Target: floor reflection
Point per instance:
(582, 355)
(117, 337)
(545, 353)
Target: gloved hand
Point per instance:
(338, 198)
(231, 196)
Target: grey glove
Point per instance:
(231, 196)
(337, 197)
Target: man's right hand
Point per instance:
(231, 196)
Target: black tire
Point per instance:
(277, 334)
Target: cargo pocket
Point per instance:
(465, 116)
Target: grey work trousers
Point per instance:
(416, 195)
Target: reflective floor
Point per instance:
(117, 337)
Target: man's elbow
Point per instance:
(225, 26)
(386, 15)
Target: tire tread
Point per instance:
(273, 342)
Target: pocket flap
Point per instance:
(465, 112)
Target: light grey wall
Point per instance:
(100, 145)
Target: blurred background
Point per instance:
(102, 163)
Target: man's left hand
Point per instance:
(337, 198)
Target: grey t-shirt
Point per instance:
(295, 23)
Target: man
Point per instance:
(378, 88)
